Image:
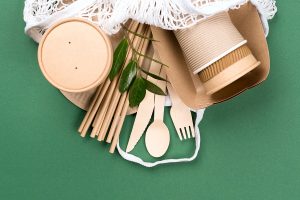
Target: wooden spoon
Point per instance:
(158, 136)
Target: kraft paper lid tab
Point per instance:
(75, 56)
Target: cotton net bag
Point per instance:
(39, 15)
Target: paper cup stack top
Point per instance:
(75, 56)
(216, 51)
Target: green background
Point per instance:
(249, 150)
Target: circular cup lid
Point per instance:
(75, 55)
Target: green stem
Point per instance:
(137, 34)
(148, 57)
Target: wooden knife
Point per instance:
(145, 110)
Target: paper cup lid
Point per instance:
(75, 56)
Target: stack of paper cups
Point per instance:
(216, 51)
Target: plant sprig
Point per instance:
(131, 79)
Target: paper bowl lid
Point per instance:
(75, 55)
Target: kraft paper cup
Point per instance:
(75, 55)
(216, 51)
(228, 69)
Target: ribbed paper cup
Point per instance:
(216, 51)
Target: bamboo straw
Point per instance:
(98, 128)
(109, 116)
(103, 108)
(119, 127)
(94, 109)
(95, 119)
(116, 118)
(115, 122)
(90, 109)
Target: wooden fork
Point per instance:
(181, 116)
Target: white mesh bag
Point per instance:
(108, 14)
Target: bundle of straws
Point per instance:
(108, 109)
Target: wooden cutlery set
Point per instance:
(157, 137)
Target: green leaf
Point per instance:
(154, 88)
(154, 75)
(127, 76)
(137, 92)
(118, 59)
